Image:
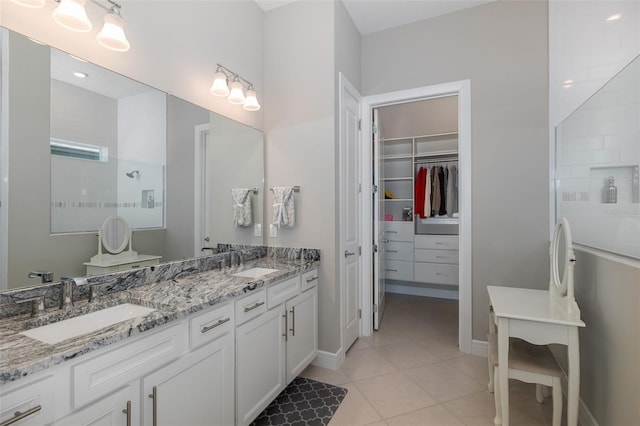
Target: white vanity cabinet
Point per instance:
(33, 403)
(274, 347)
(118, 409)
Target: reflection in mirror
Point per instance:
(34, 133)
(114, 235)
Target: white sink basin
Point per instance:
(62, 330)
(254, 272)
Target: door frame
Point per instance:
(199, 170)
(462, 89)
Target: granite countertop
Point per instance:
(173, 299)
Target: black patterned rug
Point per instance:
(303, 402)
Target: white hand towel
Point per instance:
(283, 209)
(241, 206)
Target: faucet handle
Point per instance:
(37, 306)
(76, 280)
(45, 276)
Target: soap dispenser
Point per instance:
(611, 192)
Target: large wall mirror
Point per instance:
(598, 167)
(82, 149)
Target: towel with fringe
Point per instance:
(241, 206)
(283, 209)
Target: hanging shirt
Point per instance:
(443, 207)
(427, 195)
(435, 206)
(418, 207)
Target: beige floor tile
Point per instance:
(325, 375)
(393, 394)
(445, 352)
(380, 423)
(366, 363)
(443, 382)
(407, 355)
(430, 416)
(358, 345)
(471, 366)
(354, 410)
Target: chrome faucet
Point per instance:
(45, 276)
(67, 282)
(37, 305)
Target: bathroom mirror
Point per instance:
(115, 234)
(597, 171)
(30, 191)
(562, 257)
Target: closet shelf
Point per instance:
(398, 178)
(424, 155)
(398, 157)
(404, 200)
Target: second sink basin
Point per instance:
(62, 330)
(254, 272)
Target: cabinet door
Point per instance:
(302, 341)
(120, 408)
(196, 390)
(260, 363)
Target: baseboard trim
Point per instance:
(422, 291)
(329, 360)
(479, 348)
(585, 418)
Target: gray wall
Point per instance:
(502, 48)
(608, 293)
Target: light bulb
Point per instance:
(236, 96)
(219, 86)
(251, 100)
(71, 15)
(34, 4)
(112, 34)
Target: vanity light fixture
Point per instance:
(71, 14)
(614, 17)
(235, 91)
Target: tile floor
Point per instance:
(410, 372)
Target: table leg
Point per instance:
(573, 391)
(503, 366)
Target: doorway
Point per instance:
(372, 270)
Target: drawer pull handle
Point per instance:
(135, 266)
(154, 396)
(286, 334)
(252, 307)
(391, 270)
(212, 326)
(348, 253)
(293, 321)
(440, 243)
(310, 279)
(392, 251)
(19, 416)
(391, 232)
(127, 411)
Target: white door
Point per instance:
(350, 210)
(378, 226)
(202, 199)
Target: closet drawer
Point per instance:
(398, 270)
(438, 242)
(281, 292)
(251, 306)
(398, 231)
(436, 273)
(211, 325)
(436, 256)
(398, 251)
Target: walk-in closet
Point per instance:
(419, 197)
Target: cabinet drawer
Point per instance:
(436, 256)
(251, 306)
(438, 242)
(398, 251)
(106, 373)
(36, 397)
(398, 270)
(398, 231)
(277, 294)
(309, 279)
(436, 273)
(211, 325)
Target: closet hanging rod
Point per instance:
(295, 188)
(437, 160)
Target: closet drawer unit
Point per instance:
(211, 325)
(436, 242)
(309, 279)
(395, 250)
(251, 306)
(436, 256)
(398, 231)
(436, 273)
(281, 292)
(398, 270)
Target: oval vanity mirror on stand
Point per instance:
(562, 263)
(116, 238)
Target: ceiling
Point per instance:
(370, 16)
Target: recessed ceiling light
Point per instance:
(81, 74)
(614, 17)
(567, 82)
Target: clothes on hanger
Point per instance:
(436, 190)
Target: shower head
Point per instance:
(132, 173)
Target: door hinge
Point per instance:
(359, 188)
(374, 128)
(359, 250)
(375, 308)
(374, 189)
(375, 248)
(359, 124)
(359, 313)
